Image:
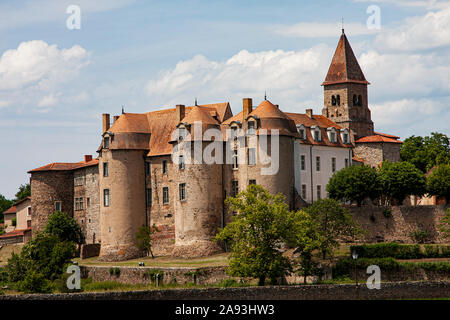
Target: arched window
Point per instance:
(355, 100)
(338, 100)
(333, 100)
(359, 100)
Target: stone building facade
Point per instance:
(173, 168)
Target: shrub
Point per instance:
(431, 251)
(419, 236)
(388, 250)
(114, 271)
(35, 282)
(445, 251)
(387, 213)
(345, 265)
(64, 227)
(152, 273)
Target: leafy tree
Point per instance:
(24, 191)
(143, 238)
(401, 179)
(64, 227)
(426, 152)
(444, 226)
(306, 237)
(354, 183)
(35, 282)
(5, 204)
(438, 183)
(256, 234)
(334, 222)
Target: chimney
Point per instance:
(247, 107)
(309, 113)
(106, 123)
(87, 158)
(115, 118)
(180, 112)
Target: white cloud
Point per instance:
(49, 101)
(418, 33)
(428, 4)
(321, 30)
(292, 77)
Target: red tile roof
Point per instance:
(344, 66)
(22, 200)
(377, 138)
(13, 209)
(65, 166)
(387, 135)
(15, 233)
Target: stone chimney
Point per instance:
(106, 122)
(180, 112)
(309, 113)
(87, 158)
(115, 118)
(247, 107)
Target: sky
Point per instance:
(57, 80)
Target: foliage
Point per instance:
(426, 152)
(35, 282)
(401, 251)
(354, 183)
(438, 183)
(387, 213)
(24, 191)
(401, 179)
(5, 204)
(420, 236)
(444, 225)
(152, 274)
(343, 266)
(143, 238)
(334, 222)
(256, 233)
(64, 227)
(114, 271)
(14, 221)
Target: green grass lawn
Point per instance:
(218, 260)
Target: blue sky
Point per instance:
(56, 82)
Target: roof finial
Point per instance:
(195, 100)
(123, 111)
(342, 25)
(265, 95)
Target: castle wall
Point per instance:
(126, 212)
(48, 187)
(159, 214)
(372, 153)
(89, 215)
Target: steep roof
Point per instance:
(315, 120)
(344, 66)
(65, 166)
(13, 209)
(267, 109)
(197, 113)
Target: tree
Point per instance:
(354, 183)
(306, 237)
(143, 238)
(334, 222)
(438, 183)
(256, 234)
(426, 152)
(444, 226)
(64, 227)
(401, 179)
(24, 191)
(5, 204)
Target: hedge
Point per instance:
(401, 251)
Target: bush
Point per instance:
(64, 227)
(151, 274)
(431, 251)
(420, 236)
(34, 282)
(388, 250)
(345, 265)
(114, 271)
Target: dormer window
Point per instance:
(251, 126)
(106, 142)
(332, 136)
(316, 133)
(181, 134)
(302, 132)
(345, 136)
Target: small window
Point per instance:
(181, 162)
(106, 198)
(234, 188)
(235, 159)
(106, 143)
(58, 206)
(164, 167)
(338, 100)
(165, 195)
(251, 156)
(234, 132)
(147, 168)
(105, 169)
(29, 211)
(333, 100)
(346, 163)
(28, 223)
(333, 164)
(88, 202)
(319, 192)
(302, 133)
(355, 100)
(345, 138)
(181, 133)
(317, 163)
(359, 100)
(317, 134)
(303, 162)
(182, 188)
(78, 204)
(149, 197)
(304, 191)
(251, 127)
(333, 137)
(251, 181)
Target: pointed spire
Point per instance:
(195, 100)
(265, 95)
(343, 25)
(344, 66)
(123, 111)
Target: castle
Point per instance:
(148, 171)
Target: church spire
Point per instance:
(344, 66)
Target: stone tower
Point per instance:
(345, 92)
